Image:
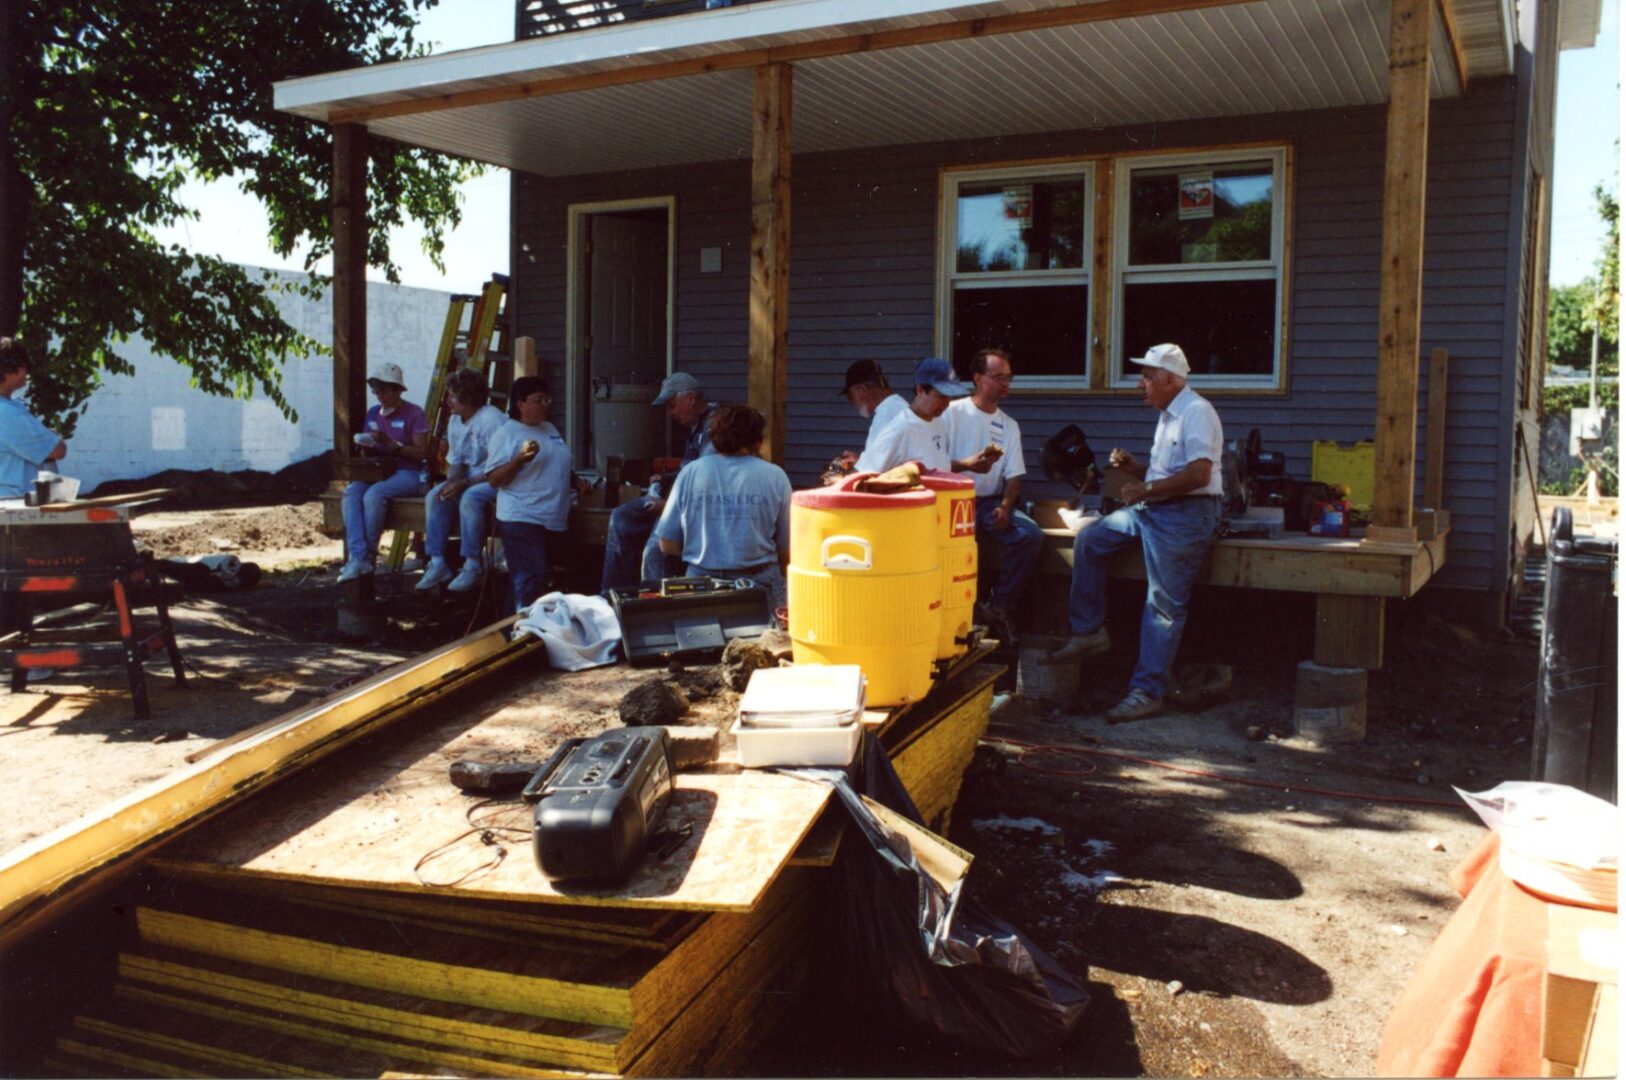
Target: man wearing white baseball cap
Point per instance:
(1173, 511)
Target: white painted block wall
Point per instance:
(137, 425)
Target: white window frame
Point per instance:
(1273, 268)
(950, 277)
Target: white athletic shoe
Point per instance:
(468, 578)
(354, 569)
(437, 574)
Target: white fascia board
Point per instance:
(315, 96)
(1578, 23)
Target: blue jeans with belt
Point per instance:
(1175, 536)
(1019, 546)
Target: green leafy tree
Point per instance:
(1573, 311)
(109, 107)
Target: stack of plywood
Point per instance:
(303, 933)
(291, 983)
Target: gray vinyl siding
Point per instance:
(864, 284)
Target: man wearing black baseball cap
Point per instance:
(868, 391)
(1172, 513)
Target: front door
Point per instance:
(624, 347)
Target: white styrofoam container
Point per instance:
(762, 748)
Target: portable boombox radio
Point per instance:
(597, 802)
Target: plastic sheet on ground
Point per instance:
(945, 964)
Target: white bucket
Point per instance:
(1045, 682)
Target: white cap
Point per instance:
(389, 373)
(1168, 357)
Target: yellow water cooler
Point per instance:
(956, 557)
(865, 586)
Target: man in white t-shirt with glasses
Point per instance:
(985, 442)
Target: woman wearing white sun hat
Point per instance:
(397, 431)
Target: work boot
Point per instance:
(353, 569)
(437, 574)
(1136, 705)
(468, 578)
(1079, 646)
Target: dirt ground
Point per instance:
(1238, 906)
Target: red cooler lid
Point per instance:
(938, 480)
(841, 496)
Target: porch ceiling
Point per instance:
(1225, 60)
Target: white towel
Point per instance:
(578, 631)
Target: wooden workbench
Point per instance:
(1350, 577)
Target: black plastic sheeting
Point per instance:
(942, 962)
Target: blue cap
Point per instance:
(936, 373)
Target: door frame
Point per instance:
(576, 215)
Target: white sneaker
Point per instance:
(354, 569)
(468, 578)
(437, 574)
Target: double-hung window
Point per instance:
(1016, 268)
(1198, 248)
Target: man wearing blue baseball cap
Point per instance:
(631, 552)
(1173, 514)
(918, 433)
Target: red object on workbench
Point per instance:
(1473, 1007)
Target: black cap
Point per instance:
(862, 371)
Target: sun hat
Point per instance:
(387, 373)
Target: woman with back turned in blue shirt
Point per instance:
(729, 512)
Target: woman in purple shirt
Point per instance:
(397, 431)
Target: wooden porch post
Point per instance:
(349, 224)
(770, 251)
(1401, 283)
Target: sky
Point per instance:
(1587, 150)
(234, 225)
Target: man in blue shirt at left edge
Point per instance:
(25, 443)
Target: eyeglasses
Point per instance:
(1005, 378)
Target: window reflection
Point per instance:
(1200, 214)
(1020, 225)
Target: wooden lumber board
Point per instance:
(933, 761)
(882, 721)
(320, 1046)
(1315, 564)
(366, 819)
(73, 1057)
(658, 930)
(823, 841)
(216, 1048)
(34, 874)
(383, 1013)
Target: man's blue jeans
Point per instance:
(1019, 552)
(365, 507)
(471, 511)
(631, 552)
(1174, 536)
(525, 546)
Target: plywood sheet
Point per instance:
(367, 818)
